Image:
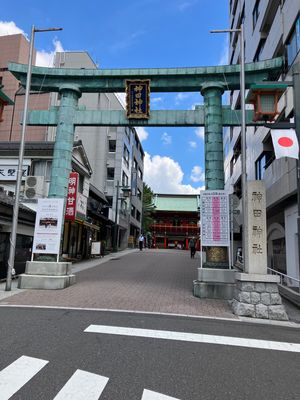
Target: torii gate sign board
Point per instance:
(210, 81)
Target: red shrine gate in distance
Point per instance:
(176, 221)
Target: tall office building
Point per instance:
(272, 29)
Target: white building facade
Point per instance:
(272, 29)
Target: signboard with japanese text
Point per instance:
(72, 196)
(81, 205)
(138, 99)
(214, 216)
(48, 223)
(256, 260)
(9, 172)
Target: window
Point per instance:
(262, 163)
(133, 211)
(226, 148)
(138, 215)
(112, 146)
(139, 194)
(124, 179)
(42, 168)
(127, 132)
(109, 200)
(80, 183)
(255, 13)
(126, 155)
(135, 165)
(140, 174)
(110, 173)
(259, 50)
(293, 45)
(237, 149)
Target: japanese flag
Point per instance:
(285, 143)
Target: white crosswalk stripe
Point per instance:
(149, 395)
(195, 338)
(82, 386)
(17, 374)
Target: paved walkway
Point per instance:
(159, 281)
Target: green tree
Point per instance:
(148, 208)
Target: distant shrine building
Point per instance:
(176, 220)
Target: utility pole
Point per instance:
(115, 244)
(13, 236)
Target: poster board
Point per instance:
(215, 223)
(96, 248)
(48, 224)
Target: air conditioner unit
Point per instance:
(34, 187)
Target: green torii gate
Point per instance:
(210, 81)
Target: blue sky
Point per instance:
(138, 33)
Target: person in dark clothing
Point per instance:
(192, 246)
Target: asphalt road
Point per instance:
(181, 369)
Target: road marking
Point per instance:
(17, 374)
(149, 395)
(195, 337)
(82, 386)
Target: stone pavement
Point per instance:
(159, 281)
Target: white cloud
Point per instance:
(10, 28)
(181, 96)
(43, 57)
(193, 144)
(166, 139)
(46, 59)
(197, 174)
(225, 52)
(164, 175)
(142, 133)
(156, 99)
(182, 6)
(200, 132)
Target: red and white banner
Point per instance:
(285, 143)
(72, 196)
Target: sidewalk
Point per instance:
(156, 281)
(76, 267)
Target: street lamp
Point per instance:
(13, 235)
(243, 134)
(126, 191)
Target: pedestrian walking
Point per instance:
(141, 242)
(192, 246)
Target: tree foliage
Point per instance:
(148, 208)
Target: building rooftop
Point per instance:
(176, 202)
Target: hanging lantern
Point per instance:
(265, 97)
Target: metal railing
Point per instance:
(286, 280)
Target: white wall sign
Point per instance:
(47, 231)
(9, 172)
(214, 216)
(81, 204)
(96, 248)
